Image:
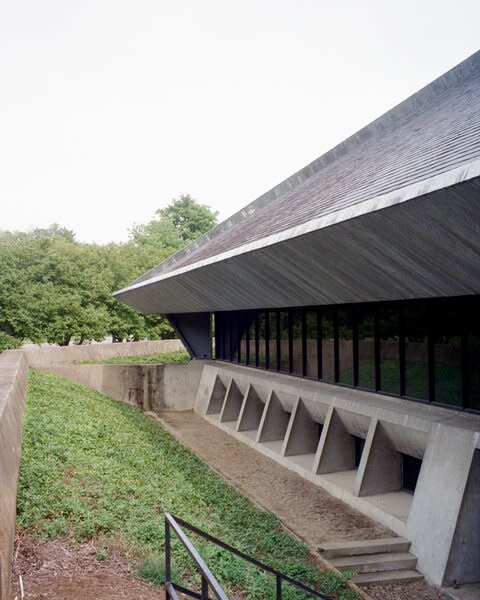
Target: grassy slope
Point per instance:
(162, 358)
(96, 468)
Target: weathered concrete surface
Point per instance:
(442, 517)
(39, 357)
(438, 500)
(13, 384)
(152, 387)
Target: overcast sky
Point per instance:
(111, 108)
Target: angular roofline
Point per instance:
(406, 107)
(455, 176)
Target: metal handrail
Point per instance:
(207, 577)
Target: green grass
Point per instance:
(161, 358)
(96, 468)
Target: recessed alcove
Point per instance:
(217, 396)
(275, 420)
(232, 403)
(251, 411)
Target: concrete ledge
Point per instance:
(13, 385)
(43, 356)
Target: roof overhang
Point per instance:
(419, 241)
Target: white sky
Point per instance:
(111, 108)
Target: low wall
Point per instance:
(13, 383)
(152, 387)
(40, 357)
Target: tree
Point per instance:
(54, 289)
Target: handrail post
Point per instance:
(279, 587)
(204, 593)
(168, 568)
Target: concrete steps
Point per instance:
(382, 561)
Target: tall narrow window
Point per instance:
(328, 345)
(345, 346)
(261, 340)
(389, 325)
(473, 355)
(297, 346)
(243, 334)
(312, 343)
(272, 342)
(448, 354)
(366, 347)
(252, 355)
(415, 324)
(284, 344)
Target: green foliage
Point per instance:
(176, 225)
(93, 467)
(161, 358)
(54, 289)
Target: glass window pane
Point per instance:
(234, 336)
(472, 320)
(448, 354)
(297, 342)
(389, 350)
(261, 340)
(416, 351)
(272, 346)
(366, 348)
(345, 346)
(252, 328)
(243, 323)
(284, 353)
(312, 344)
(328, 350)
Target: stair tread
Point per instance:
(385, 577)
(362, 543)
(362, 547)
(372, 558)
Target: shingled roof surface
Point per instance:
(430, 133)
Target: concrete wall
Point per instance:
(309, 426)
(13, 381)
(152, 387)
(39, 357)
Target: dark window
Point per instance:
(297, 346)
(366, 348)
(284, 343)
(389, 331)
(243, 328)
(345, 346)
(410, 472)
(252, 353)
(415, 323)
(272, 344)
(473, 360)
(448, 354)
(262, 360)
(328, 345)
(312, 343)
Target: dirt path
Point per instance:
(308, 511)
(56, 571)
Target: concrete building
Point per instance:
(346, 315)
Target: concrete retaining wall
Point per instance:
(152, 387)
(13, 383)
(40, 357)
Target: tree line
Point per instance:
(57, 290)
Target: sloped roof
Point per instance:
(428, 142)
